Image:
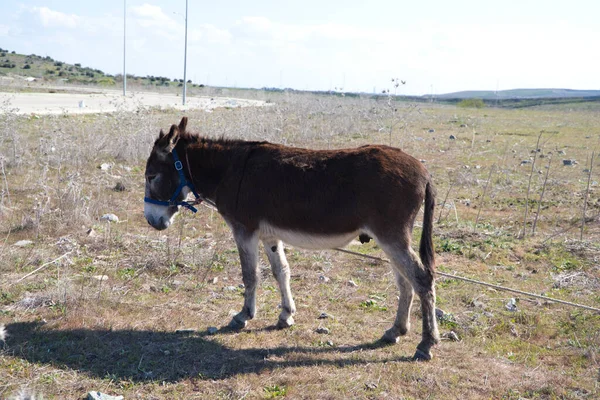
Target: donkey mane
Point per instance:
(195, 138)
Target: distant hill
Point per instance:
(14, 66)
(520, 94)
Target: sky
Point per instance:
(436, 46)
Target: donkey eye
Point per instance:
(150, 178)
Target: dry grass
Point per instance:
(108, 316)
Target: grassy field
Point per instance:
(126, 310)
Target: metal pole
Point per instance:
(185, 54)
(124, 47)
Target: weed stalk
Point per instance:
(537, 214)
(523, 232)
(585, 198)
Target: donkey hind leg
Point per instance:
(402, 323)
(408, 264)
(247, 245)
(281, 271)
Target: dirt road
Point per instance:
(109, 101)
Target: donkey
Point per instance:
(312, 199)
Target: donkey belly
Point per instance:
(306, 240)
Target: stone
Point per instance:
(431, 131)
(323, 278)
(109, 218)
(322, 330)
(511, 305)
(352, 283)
(212, 330)
(100, 277)
(230, 289)
(452, 137)
(439, 313)
(185, 330)
(569, 162)
(452, 336)
(324, 315)
(102, 396)
(105, 166)
(23, 243)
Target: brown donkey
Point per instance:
(313, 199)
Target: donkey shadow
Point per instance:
(143, 355)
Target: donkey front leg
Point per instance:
(247, 245)
(281, 271)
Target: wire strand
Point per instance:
(492, 285)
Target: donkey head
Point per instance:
(163, 179)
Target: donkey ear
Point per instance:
(172, 138)
(166, 143)
(182, 125)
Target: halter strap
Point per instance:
(183, 182)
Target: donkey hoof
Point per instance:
(285, 323)
(390, 337)
(237, 324)
(420, 355)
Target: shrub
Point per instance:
(471, 103)
(106, 81)
(26, 66)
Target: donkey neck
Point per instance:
(214, 163)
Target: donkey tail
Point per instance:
(426, 250)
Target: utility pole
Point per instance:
(185, 54)
(124, 46)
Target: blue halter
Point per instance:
(182, 183)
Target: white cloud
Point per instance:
(153, 16)
(149, 11)
(209, 33)
(4, 29)
(56, 19)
